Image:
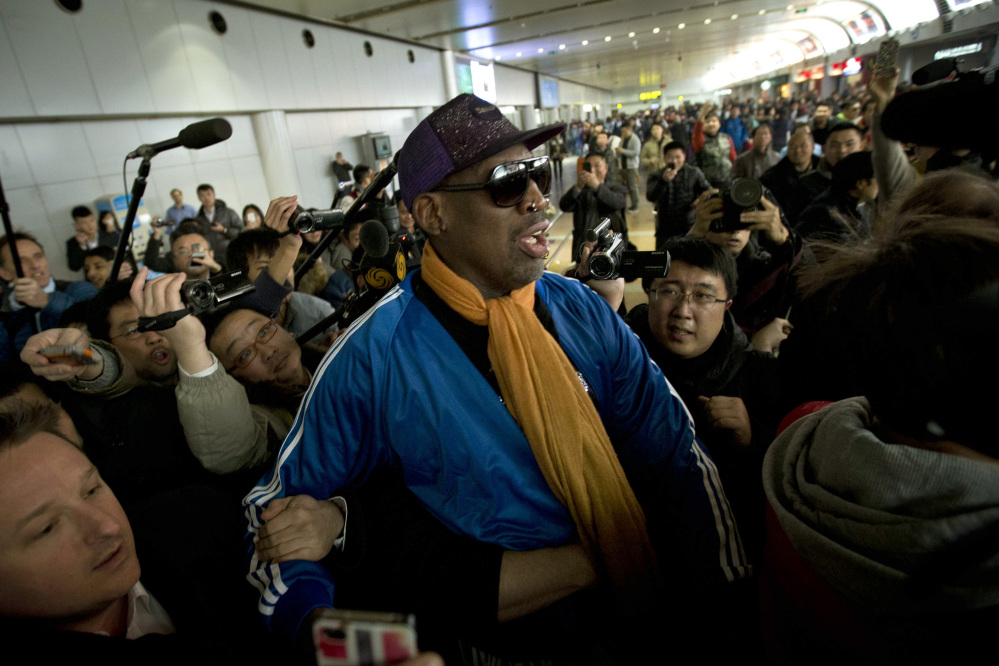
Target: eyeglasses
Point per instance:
(697, 300)
(510, 182)
(245, 357)
(132, 333)
(185, 252)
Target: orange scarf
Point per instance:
(545, 396)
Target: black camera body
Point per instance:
(610, 260)
(743, 195)
(203, 295)
(306, 221)
(671, 166)
(587, 167)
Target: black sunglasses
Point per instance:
(509, 182)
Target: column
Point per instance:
(274, 145)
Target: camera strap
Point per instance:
(161, 322)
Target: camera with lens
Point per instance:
(671, 166)
(158, 222)
(743, 195)
(203, 295)
(610, 260)
(306, 221)
(588, 167)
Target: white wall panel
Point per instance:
(251, 187)
(274, 67)
(50, 57)
(514, 87)
(298, 130)
(242, 143)
(168, 72)
(14, 165)
(109, 142)
(301, 62)
(57, 152)
(206, 57)
(113, 58)
(243, 61)
(348, 54)
(328, 62)
(14, 98)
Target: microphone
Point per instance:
(379, 183)
(939, 69)
(374, 239)
(196, 135)
(382, 266)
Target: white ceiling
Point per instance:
(646, 48)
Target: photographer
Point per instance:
(765, 259)
(673, 190)
(732, 391)
(593, 198)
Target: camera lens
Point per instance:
(201, 294)
(601, 266)
(746, 192)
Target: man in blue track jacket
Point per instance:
(420, 384)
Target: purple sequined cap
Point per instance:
(464, 131)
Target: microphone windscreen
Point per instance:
(374, 239)
(936, 70)
(205, 133)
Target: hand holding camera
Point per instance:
(707, 209)
(669, 173)
(162, 296)
(766, 220)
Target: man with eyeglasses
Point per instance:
(520, 408)
(732, 391)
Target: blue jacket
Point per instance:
(735, 128)
(397, 390)
(15, 327)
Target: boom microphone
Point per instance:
(379, 183)
(374, 239)
(196, 135)
(936, 70)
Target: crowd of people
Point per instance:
(783, 454)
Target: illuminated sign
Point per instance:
(845, 68)
(958, 51)
(645, 96)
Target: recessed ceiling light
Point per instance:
(762, 12)
(499, 57)
(735, 16)
(707, 21)
(561, 47)
(518, 54)
(655, 31)
(585, 42)
(541, 50)
(681, 26)
(607, 38)
(790, 7)
(631, 34)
